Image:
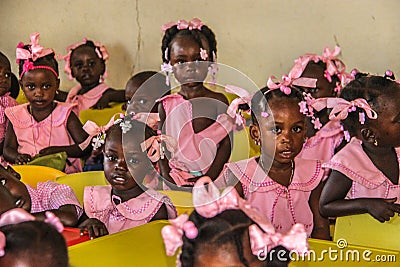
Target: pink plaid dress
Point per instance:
(5, 102)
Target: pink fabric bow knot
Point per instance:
(244, 97)
(36, 50)
(262, 242)
(154, 146)
(194, 24)
(293, 78)
(341, 108)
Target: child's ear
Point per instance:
(368, 135)
(255, 134)
(58, 84)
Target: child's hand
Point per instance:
(48, 151)
(382, 209)
(22, 159)
(94, 228)
(102, 103)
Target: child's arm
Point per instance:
(10, 150)
(94, 227)
(334, 204)
(77, 133)
(163, 163)
(61, 96)
(67, 214)
(161, 214)
(321, 224)
(110, 95)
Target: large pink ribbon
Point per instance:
(244, 97)
(153, 145)
(37, 51)
(194, 24)
(341, 108)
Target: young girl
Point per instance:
(126, 202)
(283, 187)
(5, 99)
(42, 126)
(193, 115)
(324, 136)
(224, 230)
(48, 196)
(86, 62)
(26, 242)
(365, 173)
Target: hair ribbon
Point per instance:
(341, 108)
(194, 24)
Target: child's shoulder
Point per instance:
(216, 95)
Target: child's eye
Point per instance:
(111, 157)
(276, 130)
(7, 75)
(47, 86)
(92, 63)
(3, 181)
(78, 65)
(30, 86)
(297, 129)
(142, 101)
(133, 160)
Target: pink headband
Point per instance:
(35, 52)
(211, 203)
(194, 24)
(100, 49)
(19, 215)
(155, 148)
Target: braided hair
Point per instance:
(96, 49)
(197, 35)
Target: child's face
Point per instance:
(5, 77)
(16, 188)
(282, 135)
(387, 126)
(324, 88)
(189, 68)
(39, 86)
(116, 166)
(86, 66)
(143, 100)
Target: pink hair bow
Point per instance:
(262, 242)
(151, 119)
(36, 50)
(341, 108)
(154, 146)
(94, 130)
(244, 98)
(172, 234)
(194, 24)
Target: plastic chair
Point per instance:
(32, 174)
(100, 116)
(243, 147)
(140, 246)
(78, 181)
(181, 200)
(364, 230)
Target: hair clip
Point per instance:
(203, 54)
(194, 24)
(167, 69)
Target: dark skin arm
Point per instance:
(321, 224)
(110, 95)
(333, 202)
(10, 151)
(66, 213)
(77, 133)
(163, 163)
(161, 214)
(92, 226)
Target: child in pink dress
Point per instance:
(365, 173)
(85, 62)
(225, 230)
(47, 196)
(42, 126)
(195, 116)
(126, 202)
(282, 186)
(5, 99)
(325, 137)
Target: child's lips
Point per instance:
(287, 154)
(118, 179)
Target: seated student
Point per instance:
(29, 243)
(126, 202)
(48, 196)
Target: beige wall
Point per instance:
(260, 37)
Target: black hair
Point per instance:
(195, 34)
(368, 87)
(157, 81)
(91, 45)
(259, 102)
(228, 228)
(5, 59)
(14, 90)
(48, 60)
(37, 242)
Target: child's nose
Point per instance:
(121, 164)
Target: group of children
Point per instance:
(328, 147)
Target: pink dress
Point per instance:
(87, 100)
(323, 144)
(50, 195)
(137, 211)
(283, 206)
(368, 180)
(32, 136)
(5, 101)
(196, 151)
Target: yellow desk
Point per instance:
(140, 246)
